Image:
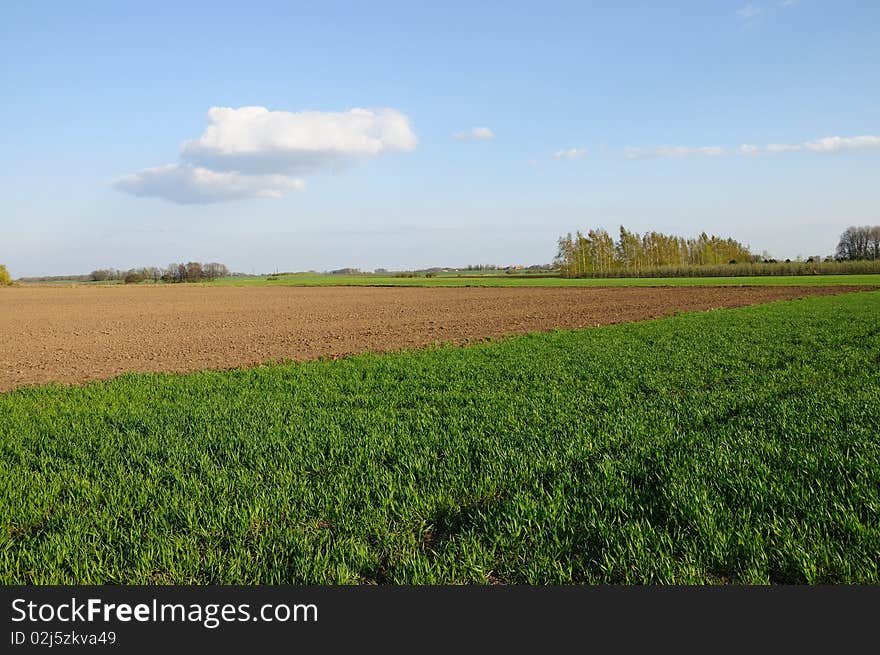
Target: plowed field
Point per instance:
(77, 334)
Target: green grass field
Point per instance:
(319, 280)
(732, 446)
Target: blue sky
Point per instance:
(656, 115)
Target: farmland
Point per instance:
(84, 333)
(729, 446)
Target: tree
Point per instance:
(213, 270)
(597, 253)
(565, 259)
(5, 278)
(859, 243)
(173, 273)
(193, 272)
(874, 242)
(629, 250)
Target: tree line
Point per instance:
(597, 252)
(857, 243)
(173, 273)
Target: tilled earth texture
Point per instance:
(78, 334)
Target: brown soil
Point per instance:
(85, 333)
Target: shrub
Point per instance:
(5, 279)
(133, 277)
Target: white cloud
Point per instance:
(476, 133)
(840, 144)
(256, 140)
(187, 184)
(749, 11)
(830, 144)
(254, 152)
(571, 153)
(789, 3)
(673, 152)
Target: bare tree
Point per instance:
(874, 240)
(213, 270)
(859, 243)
